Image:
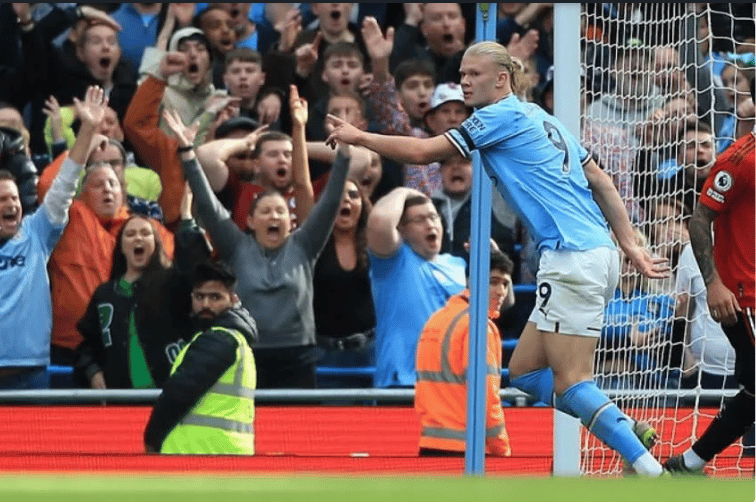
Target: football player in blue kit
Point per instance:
(565, 201)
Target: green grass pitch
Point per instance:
(328, 488)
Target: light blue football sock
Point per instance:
(540, 385)
(603, 418)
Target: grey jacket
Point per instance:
(275, 286)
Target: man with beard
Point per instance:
(207, 405)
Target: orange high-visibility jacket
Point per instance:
(441, 388)
(80, 262)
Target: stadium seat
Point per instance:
(61, 377)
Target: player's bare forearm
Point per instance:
(701, 241)
(611, 205)
(404, 149)
(613, 209)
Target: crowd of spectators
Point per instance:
(341, 256)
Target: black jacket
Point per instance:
(72, 78)
(163, 327)
(18, 84)
(407, 46)
(205, 361)
(105, 328)
(457, 232)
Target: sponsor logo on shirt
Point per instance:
(7, 262)
(473, 124)
(716, 196)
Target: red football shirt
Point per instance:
(729, 190)
(247, 192)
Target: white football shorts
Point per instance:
(573, 289)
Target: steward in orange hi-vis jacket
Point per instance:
(441, 388)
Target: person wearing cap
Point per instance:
(447, 108)
(178, 80)
(394, 110)
(273, 264)
(189, 90)
(229, 163)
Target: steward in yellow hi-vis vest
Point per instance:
(207, 405)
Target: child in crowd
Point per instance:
(365, 166)
(343, 70)
(244, 78)
(400, 103)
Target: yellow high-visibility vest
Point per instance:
(222, 421)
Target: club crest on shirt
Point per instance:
(723, 181)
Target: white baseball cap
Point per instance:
(444, 93)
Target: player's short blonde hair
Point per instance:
(500, 56)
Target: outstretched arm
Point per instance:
(379, 47)
(608, 199)
(304, 195)
(91, 112)
(404, 149)
(212, 215)
(723, 304)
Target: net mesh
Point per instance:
(662, 85)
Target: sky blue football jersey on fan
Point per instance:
(25, 304)
(538, 168)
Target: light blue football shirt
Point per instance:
(537, 166)
(407, 290)
(25, 304)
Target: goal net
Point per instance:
(662, 86)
